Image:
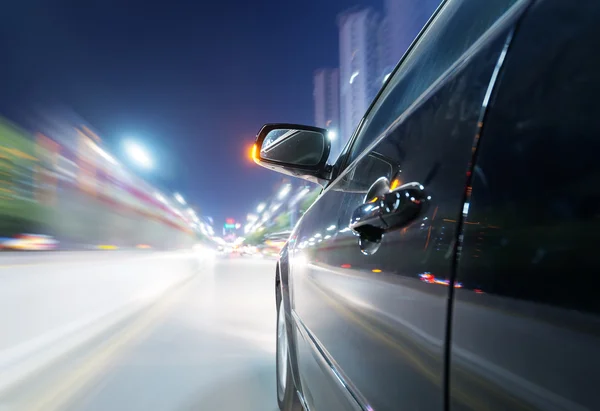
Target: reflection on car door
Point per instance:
(377, 316)
(526, 320)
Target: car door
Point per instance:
(372, 312)
(526, 321)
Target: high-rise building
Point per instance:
(359, 61)
(405, 19)
(386, 60)
(326, 95)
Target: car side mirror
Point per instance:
(293, 149)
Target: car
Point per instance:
(459, 270)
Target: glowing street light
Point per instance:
(284, 191)
(300, 194)
(138, 154)
(331, 135)
(179, 198)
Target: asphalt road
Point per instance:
(179, 333)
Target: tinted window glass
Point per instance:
(525, 320)
(534, 214)
(456, 27)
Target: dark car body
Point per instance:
(488, 298)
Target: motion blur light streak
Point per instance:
(284, 191)
(179, 199)
(102, 152)
(107, 247)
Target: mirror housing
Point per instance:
(293, 149)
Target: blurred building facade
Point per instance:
(358, 34)
(370, 47)
(58, 181)
(326, 95)
(386, 59)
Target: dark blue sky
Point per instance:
(193, 80)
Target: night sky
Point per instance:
(191, 80)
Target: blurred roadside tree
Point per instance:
(282, 223)
(256, 238)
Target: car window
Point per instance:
(526, 303)
(453, 30)
(374, 164)
(533, 215)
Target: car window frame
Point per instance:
(510, 17)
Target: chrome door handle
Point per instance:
(389, 211)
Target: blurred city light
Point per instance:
(179, 198)
(138, 154)
(261, 207)
(71, 194)
(353, 76)
(331, 135)
(103, 153)
(284, 191)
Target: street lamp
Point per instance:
(284, 191)
(138, 154)
(179, 198)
